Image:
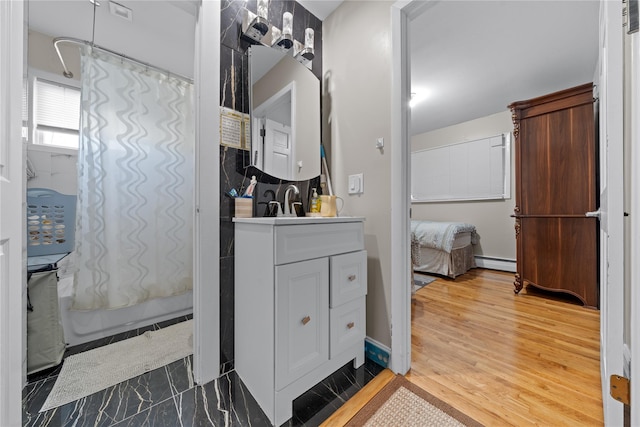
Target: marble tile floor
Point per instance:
(168, 397)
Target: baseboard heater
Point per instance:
(492, 263)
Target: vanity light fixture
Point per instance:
(306, 53)
(255, 26)
(284, 40)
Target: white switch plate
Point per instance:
(356, 184)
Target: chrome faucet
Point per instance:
(287, 205)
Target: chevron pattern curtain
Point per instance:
(134, 226)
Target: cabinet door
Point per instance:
(302, 318)
(348, 277)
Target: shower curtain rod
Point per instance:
(69, 74)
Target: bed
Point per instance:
(444, 248)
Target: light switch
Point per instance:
(356, 184)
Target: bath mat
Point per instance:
(94, 370)
(402, 403)
(420, 281)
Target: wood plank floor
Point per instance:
(531, 359)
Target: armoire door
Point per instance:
(556, 185)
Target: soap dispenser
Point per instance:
(315, 202)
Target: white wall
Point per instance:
(56, 171)
(356, 111)
(491, 218)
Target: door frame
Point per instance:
(206, 277)
(12, 198)
(634, 315)
(609, 81)
(400, 359)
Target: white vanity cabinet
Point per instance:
(300, 286)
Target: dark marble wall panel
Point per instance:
(234, 169)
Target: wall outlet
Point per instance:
(356, 184)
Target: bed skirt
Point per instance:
(428, 260)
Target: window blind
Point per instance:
(57, 106)
(470, 170)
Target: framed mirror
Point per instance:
(284, 98)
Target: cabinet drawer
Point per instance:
(301, 242)
(348, 277)
(347, 326)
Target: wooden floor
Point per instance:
(531, 359)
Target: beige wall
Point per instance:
(356, 111)
(491, 218)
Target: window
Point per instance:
(56, 114)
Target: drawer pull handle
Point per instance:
(350, 325)
(305, 320)
(352, 277)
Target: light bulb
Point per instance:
(263, 9)
(287, 24)
(308, 38)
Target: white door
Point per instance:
(278, 156)
(12, 266)
(609, 92)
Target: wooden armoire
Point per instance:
(556, 185)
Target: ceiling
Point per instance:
(469, 59)
(161, 33)
(320, 8)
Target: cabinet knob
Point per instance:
(352, 277)
(305, 320)
(350, 325)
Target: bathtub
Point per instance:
(84, 326)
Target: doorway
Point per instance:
(403, 15)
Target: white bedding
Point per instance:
(461, 240)
(443, 235)
(444, 248)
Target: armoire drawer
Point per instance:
(348, 277)
(347, 325)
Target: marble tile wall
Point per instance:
(234, 169)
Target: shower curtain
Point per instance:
(135, 185)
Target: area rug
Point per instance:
(402, 403)
(420, 281)
(94, 370)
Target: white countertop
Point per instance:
(291, 220)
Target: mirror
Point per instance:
(285, 115)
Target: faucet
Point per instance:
(287, 207)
